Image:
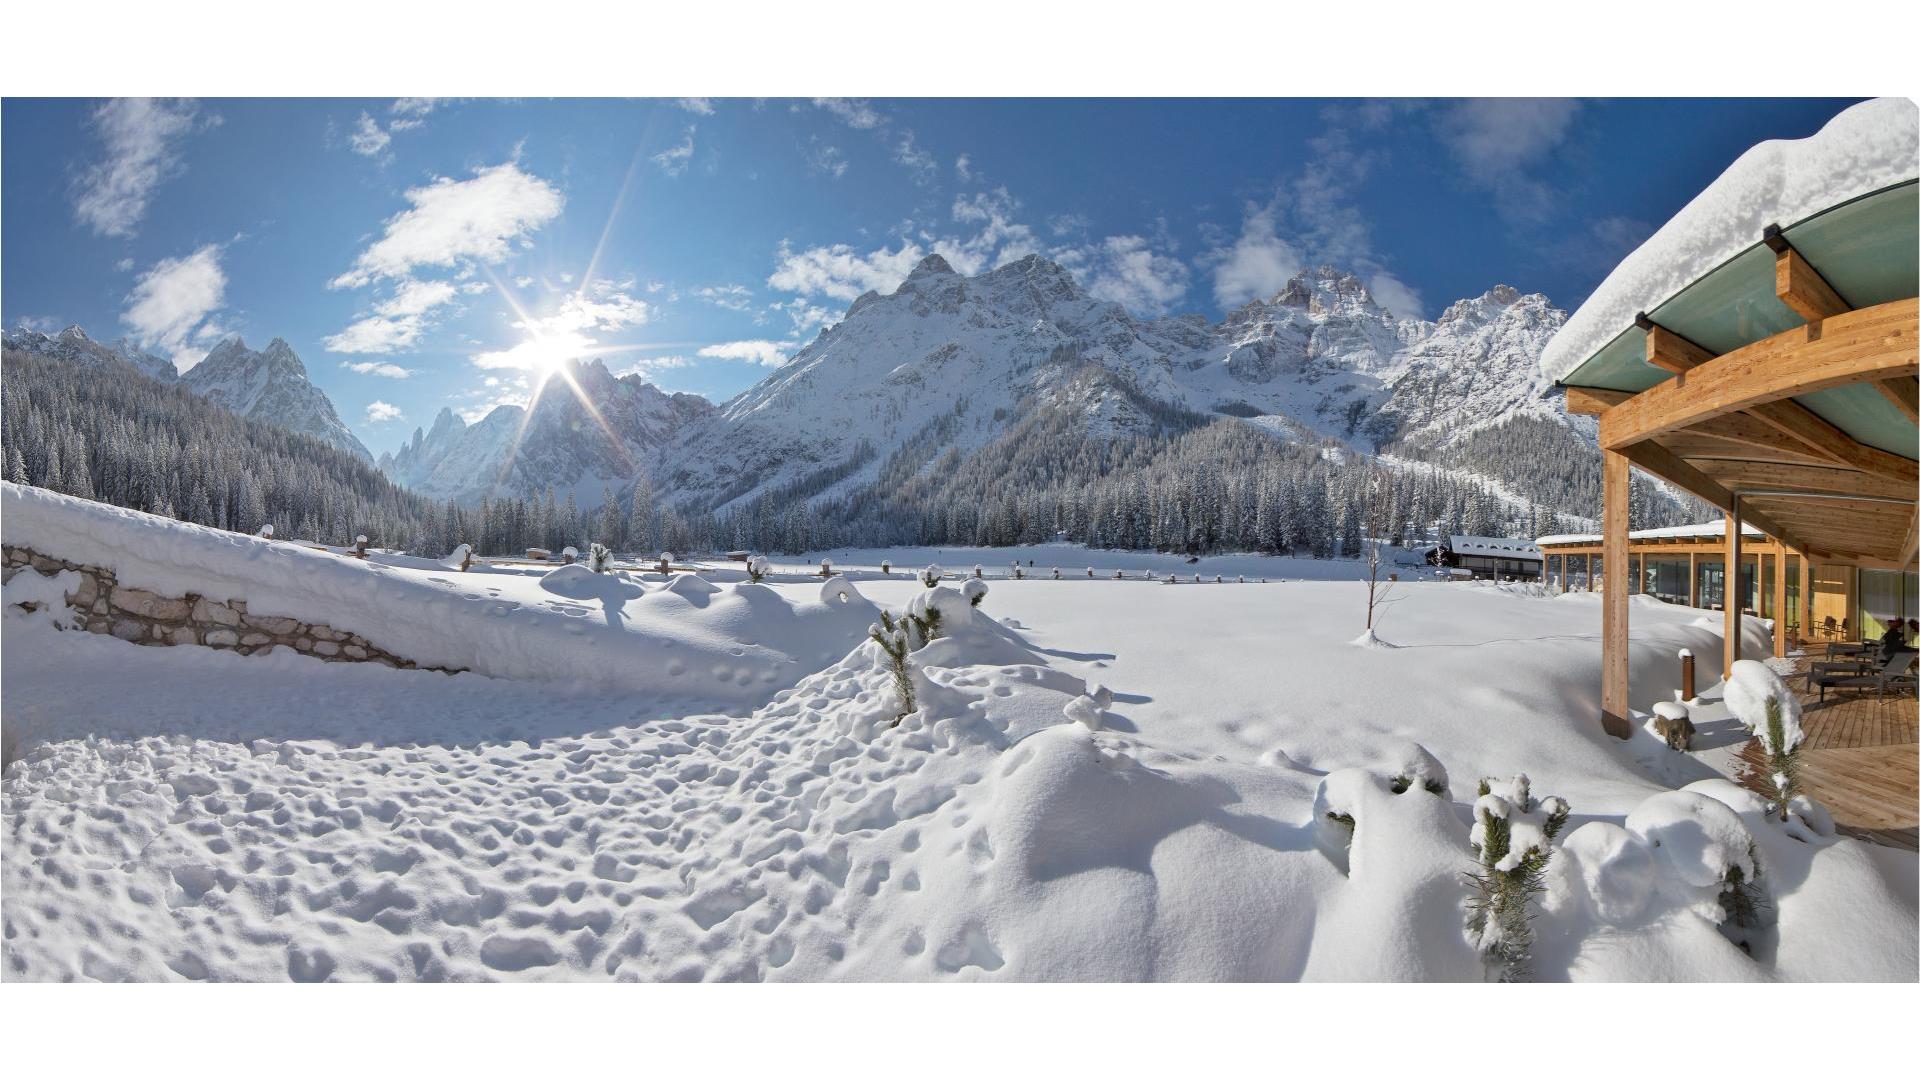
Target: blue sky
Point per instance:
(426, 253)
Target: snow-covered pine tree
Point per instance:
(1513, 839)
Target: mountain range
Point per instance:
(270, 385)
(957, 360)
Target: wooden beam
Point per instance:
(1670, 351)
(1614, 711)
(1592, 400)
(1822, 439)
(1771, 475)
(1661, 462)
(1801, 288)
(1905, 395)
(1866, 345)
(1806, 596)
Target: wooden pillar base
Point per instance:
(1617, 726)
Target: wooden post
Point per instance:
(1729, 592)
(1614, 712)
(1780, 602)
(1686, 674)
(1589, 572)
(1563, 572)
(1806, 597)
(1693, 579)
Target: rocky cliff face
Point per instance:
(587, 431)
(1318, 360)
(270, 385)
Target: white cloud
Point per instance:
(142, 137)
(367, 139)
(853, 112)
(124, 265)
(804, 316)
(522, 281)
(1130, 273)
(375, 367)
(840, 272)
(415, 107)
(1396, 296)
(963, 167)
(172, 304)
(1257, 264)
(729, 297)
(396, 323)
(645, 366)
(996, 237)
(825, 158)
(917, 161)
(698, 106)
(768, 353)
(380, 412)
(455, 221)
(673, 161)
(1497, 140)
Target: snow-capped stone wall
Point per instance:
(101, 605)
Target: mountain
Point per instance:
(74, 346)
(1318, 361)
(559, 443)
(270, 385)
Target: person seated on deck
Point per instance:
(1894, 640)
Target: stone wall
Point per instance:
(104, 606)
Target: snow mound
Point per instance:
(1783, 181)
(1696, 838)
(576, 582)
(1752, 685)
(1615, 869)
(691, 641)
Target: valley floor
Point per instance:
(181, 813)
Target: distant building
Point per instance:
(1488, 556)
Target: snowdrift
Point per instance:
(687, 641)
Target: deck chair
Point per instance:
(1890, 675)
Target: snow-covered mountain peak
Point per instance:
(270, 385)
(932, 264)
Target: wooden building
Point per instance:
(1496, 557)
(1770, 373)
(1808, 600)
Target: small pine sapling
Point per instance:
(666, 563)
(891, 636)
(886, 567)
(599, 556)
(826, 568)
(1056, 573)
(930, 576)
(978, 571)
(1513, 839)
(1018, 573)
(975, 591)
(1762, 702)
(758, 568)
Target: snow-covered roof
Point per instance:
(1672, 532)
(1496, 547)
(1868, 147)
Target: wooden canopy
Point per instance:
(1728, 428)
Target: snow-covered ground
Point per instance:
(1103, 780)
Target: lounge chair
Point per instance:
(1894, 674)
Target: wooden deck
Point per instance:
(1861, 761)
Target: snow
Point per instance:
(1704, 531)
(1783, 181)
(352, 822)
(1499, 547)
(1752, 686)
(725, 647)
